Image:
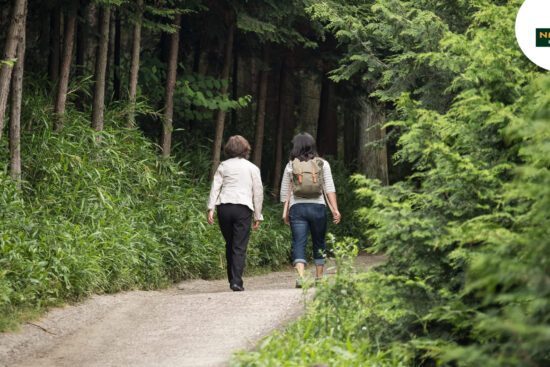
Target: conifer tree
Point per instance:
(98, 104)
(62, 85)
(135, 57)
(9, 57)
(16, 100)
(166, 137)
(216, 150)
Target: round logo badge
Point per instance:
(533, 31)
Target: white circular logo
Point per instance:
(533, 31)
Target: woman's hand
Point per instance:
(287, 220)
(210, 217)
(256, 225)
(336, 216)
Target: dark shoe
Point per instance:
(300, 282)
(236, 288)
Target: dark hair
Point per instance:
(303, 147)
(237, 147)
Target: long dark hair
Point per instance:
(303, 147)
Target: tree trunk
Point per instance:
(55, 45)
(134, 68)
(98, 104)
(260, 113)
(10, 53)
(43, 39)
(91, 19)
(350, 139)
(373, 160)
(85, 45)
(327, 134)
(116, 71)
(285, 86)
(110, 53)
(216, 151)
(63, 84)
(310, 102)
(166, 137)
(15, 110)
(82, 34)
(235, 86)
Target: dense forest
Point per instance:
(112, 118)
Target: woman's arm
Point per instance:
(214, 193)
(330, 191)
(333, 205)
(285, 185)
(257, 196)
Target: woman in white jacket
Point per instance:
(236, 194)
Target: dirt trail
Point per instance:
(196, 323)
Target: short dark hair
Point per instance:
(303, 147)
(237, 147)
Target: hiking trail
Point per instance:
(194, 323)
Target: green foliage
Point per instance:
(277, 22)
(341, 327)
(196, 95)
(347, 205)
(100, 212)
(466, 235)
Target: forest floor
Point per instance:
(194, 323)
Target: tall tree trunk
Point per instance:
(216, 151)
(62, 86)
(15, 110)
(98, 105)
(85, 45)
(327, 134)
(10, 53)
(110, 53)
(350, 139)
(43, 39)
(373, 160)
(260, 113)
(55, 45)
(235, 85)
(285, 86)
(134, 68)
(166, 137)
(116, 72)
(82, 33)
(310, 102)
(91, 20)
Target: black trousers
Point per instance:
(235, 220)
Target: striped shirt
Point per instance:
(287, 179)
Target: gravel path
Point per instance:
(196, 323)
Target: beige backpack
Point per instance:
(307, 178)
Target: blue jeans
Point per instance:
(303, 219)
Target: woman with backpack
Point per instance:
(305, 179)
(236, 193)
